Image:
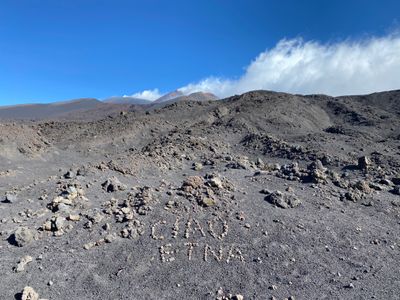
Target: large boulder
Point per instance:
(364, 163)
(22, 236)
(29, 293)
(113, 184)
(283, 200)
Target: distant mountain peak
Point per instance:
(169, 96)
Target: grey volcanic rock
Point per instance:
(10, 198)
(396, 190)
(283, 200)
(29, 293)
(22, 236)
(364, 162)
(113, 185)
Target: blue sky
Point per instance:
(55, 50)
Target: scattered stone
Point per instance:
(95, 217)
(375, 186)
(272, 167)
(354, 195)
(283, 200)
(336, 129)
(265, 191)
(396, 190)
(142, 201)
(215, 182)
(74, 218)
(81, 172)
(71, 192)
(362, 186)
(113, 184)
(89, 245)
(10, 198)
(291, 172)
(385, 181)
(63, 208)
(197, 166)
(207, 202)
(56, 225)
(22, 263)
(317, 172)
(260, 163)
(349, 286)
(22, 236)
(339, 182)
(69, 175)
(132, 230)
(237, 165)
(364, 163)
(221, 295)
(68, 198)
(109, 238)
(29, 293)
(192, 182)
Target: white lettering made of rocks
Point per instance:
(194, 240)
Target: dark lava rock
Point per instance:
(396, 190)
(364, 163)
(335, 130)
(69, 175)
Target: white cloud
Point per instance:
(147, 94)
(306, 67)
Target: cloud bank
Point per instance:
(309, 67)
(147, 95)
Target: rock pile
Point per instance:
(71, 197)
(56, 225)
(277, 147)
(142, 201)
(205, 190)
(357, 191)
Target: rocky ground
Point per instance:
(259, 196)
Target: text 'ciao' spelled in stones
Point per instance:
(202, 241)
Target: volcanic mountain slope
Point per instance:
(127, 100)
(88, 109)
(43, 111)
(259, 196)
(178, 96)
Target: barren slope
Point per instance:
(263, 196)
